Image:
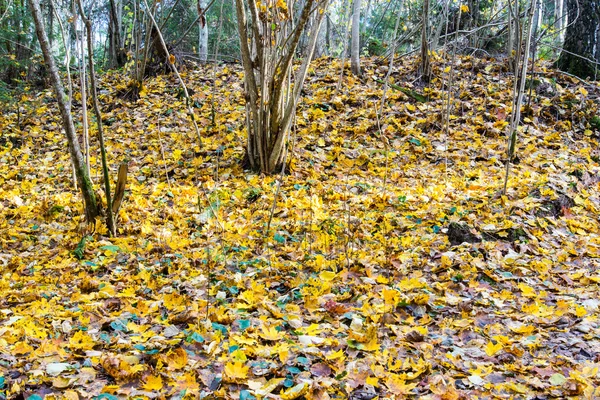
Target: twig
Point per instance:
(516, 112)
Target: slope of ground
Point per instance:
(392, 266)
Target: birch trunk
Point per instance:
(202, 32)
(559, 19)
(355, 49)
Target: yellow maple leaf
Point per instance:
(527, 290)
(464, 8)
(373, 381)
(270, 333)
(371, 343)
(235, 371)
(22, 348)
(491, 348)
(390, 297)
(523, 329)
(398, 386)
(336, 355)
(327, 276)
(239, 355)
(580, 311)
(177, 154)
(153, 383)
(173, 301)
(177, 358)
(281, 4)
(81, 340)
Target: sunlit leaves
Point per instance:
(356, 289)
(236, 371)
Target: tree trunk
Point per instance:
(355, 49)
(538, 18)
(116, 51)
(582, 39)
(328, 35)
(89, 198)
(559, 19)
(514, 36)
(51, 24)
(473, 22)
(425, 67)
(267, 57)
(203, 32)
(110, 220)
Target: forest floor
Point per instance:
(392, 268)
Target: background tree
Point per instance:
(581, 54)
(425, 63)
(116, 44)
(203, 32)
(16, 41)
(355, 48)
(559, 19)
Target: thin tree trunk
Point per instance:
(83, 90)
(328, 36)
(116, 46)
(435, 42)
(203, 32)
(345, 48)
(51, 24)
(517, 101)
(559, 19)
(110, 220)
(89, 198)
(355, 49)
(537, 19)
(425, 67)
(267, 61)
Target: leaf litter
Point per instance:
(392, 267)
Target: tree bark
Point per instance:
(355, 49)
(51, 23)
(203, 32)
(89, 198)
(559, 19)
(110, 220)
(116, 50)
(540, 15)
(267, 57)
(582, 39)
(425, 67)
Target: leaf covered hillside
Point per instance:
(385, 264)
